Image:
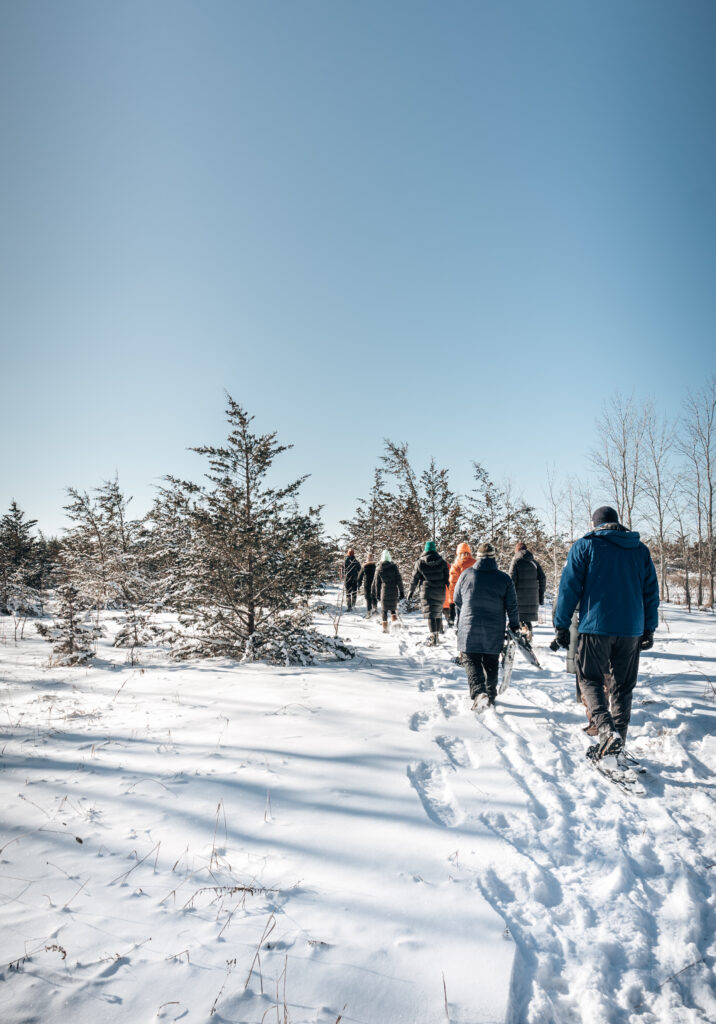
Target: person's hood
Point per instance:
(485, 564)
(524, 553)
(464, 557)
(431, 556)
(617, 534)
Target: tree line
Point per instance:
(228, 566)
(231, 566)
(659, 475)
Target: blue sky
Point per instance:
(463, 225)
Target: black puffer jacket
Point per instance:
(387, 584)
(530, 582)
(432, 575)
(351, 568)
(366, 576)
(484, 598)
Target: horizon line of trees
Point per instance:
(235, 561)
(239, 562)
(658, 474)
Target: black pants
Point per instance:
(481, 672)
(388, 607)
(615, 657)
(351, 595)
(371, 602)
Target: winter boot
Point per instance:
(393, 617)
(432, 640)
(385, 627)
(608, 744)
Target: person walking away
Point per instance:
(365, 579)
(484, 599)
(351, 568)
(530, 583)
(611, 576)
(463, 560)
(388, 588)
(432, 577)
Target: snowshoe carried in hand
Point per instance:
(524, 647)
(507, 660)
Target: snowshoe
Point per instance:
(507, 660)
(480, 703)
(524, 646)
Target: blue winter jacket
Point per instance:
(610, 575)
(483, 597)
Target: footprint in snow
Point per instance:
(420, 720)
(449, 704)
(438, 802)
(456, 751)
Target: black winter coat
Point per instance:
(351, 568)
(530, 582)
(366, 576)
(432, 575)
(483, 597)
(387, 584)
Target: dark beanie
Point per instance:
(604, 514)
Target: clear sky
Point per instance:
(459, 224)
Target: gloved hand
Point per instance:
(562, 638)
(647, 640)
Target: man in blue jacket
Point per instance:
(610, 575)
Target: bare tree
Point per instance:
(554, 502)
(699, 444)
(659, 485)
(618, 457)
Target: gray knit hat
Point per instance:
(486, 550)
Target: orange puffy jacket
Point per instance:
(462, 562)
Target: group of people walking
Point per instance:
(609, 585)
(478, 604)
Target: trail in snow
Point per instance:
(608, 899)
(382, 848)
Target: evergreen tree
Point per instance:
(250, 560)
(443, 510)
(73, 639)
(20, 578)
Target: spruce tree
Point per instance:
(20, 577)
(72, 637)
(250, 559)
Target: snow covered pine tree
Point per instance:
(250, 560)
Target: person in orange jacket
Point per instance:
(464, 560)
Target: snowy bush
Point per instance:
(287, 641)
(73, 639)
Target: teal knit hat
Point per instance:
(430, 546)
(386, 556)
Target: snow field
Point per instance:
(350, 841)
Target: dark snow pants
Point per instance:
(615, 657)
(388, 607)
(351, 596)
(481, 670)
(371, 602)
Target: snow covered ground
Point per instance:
(212, 842)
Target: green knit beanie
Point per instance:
(430, 546)
(386, 556)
